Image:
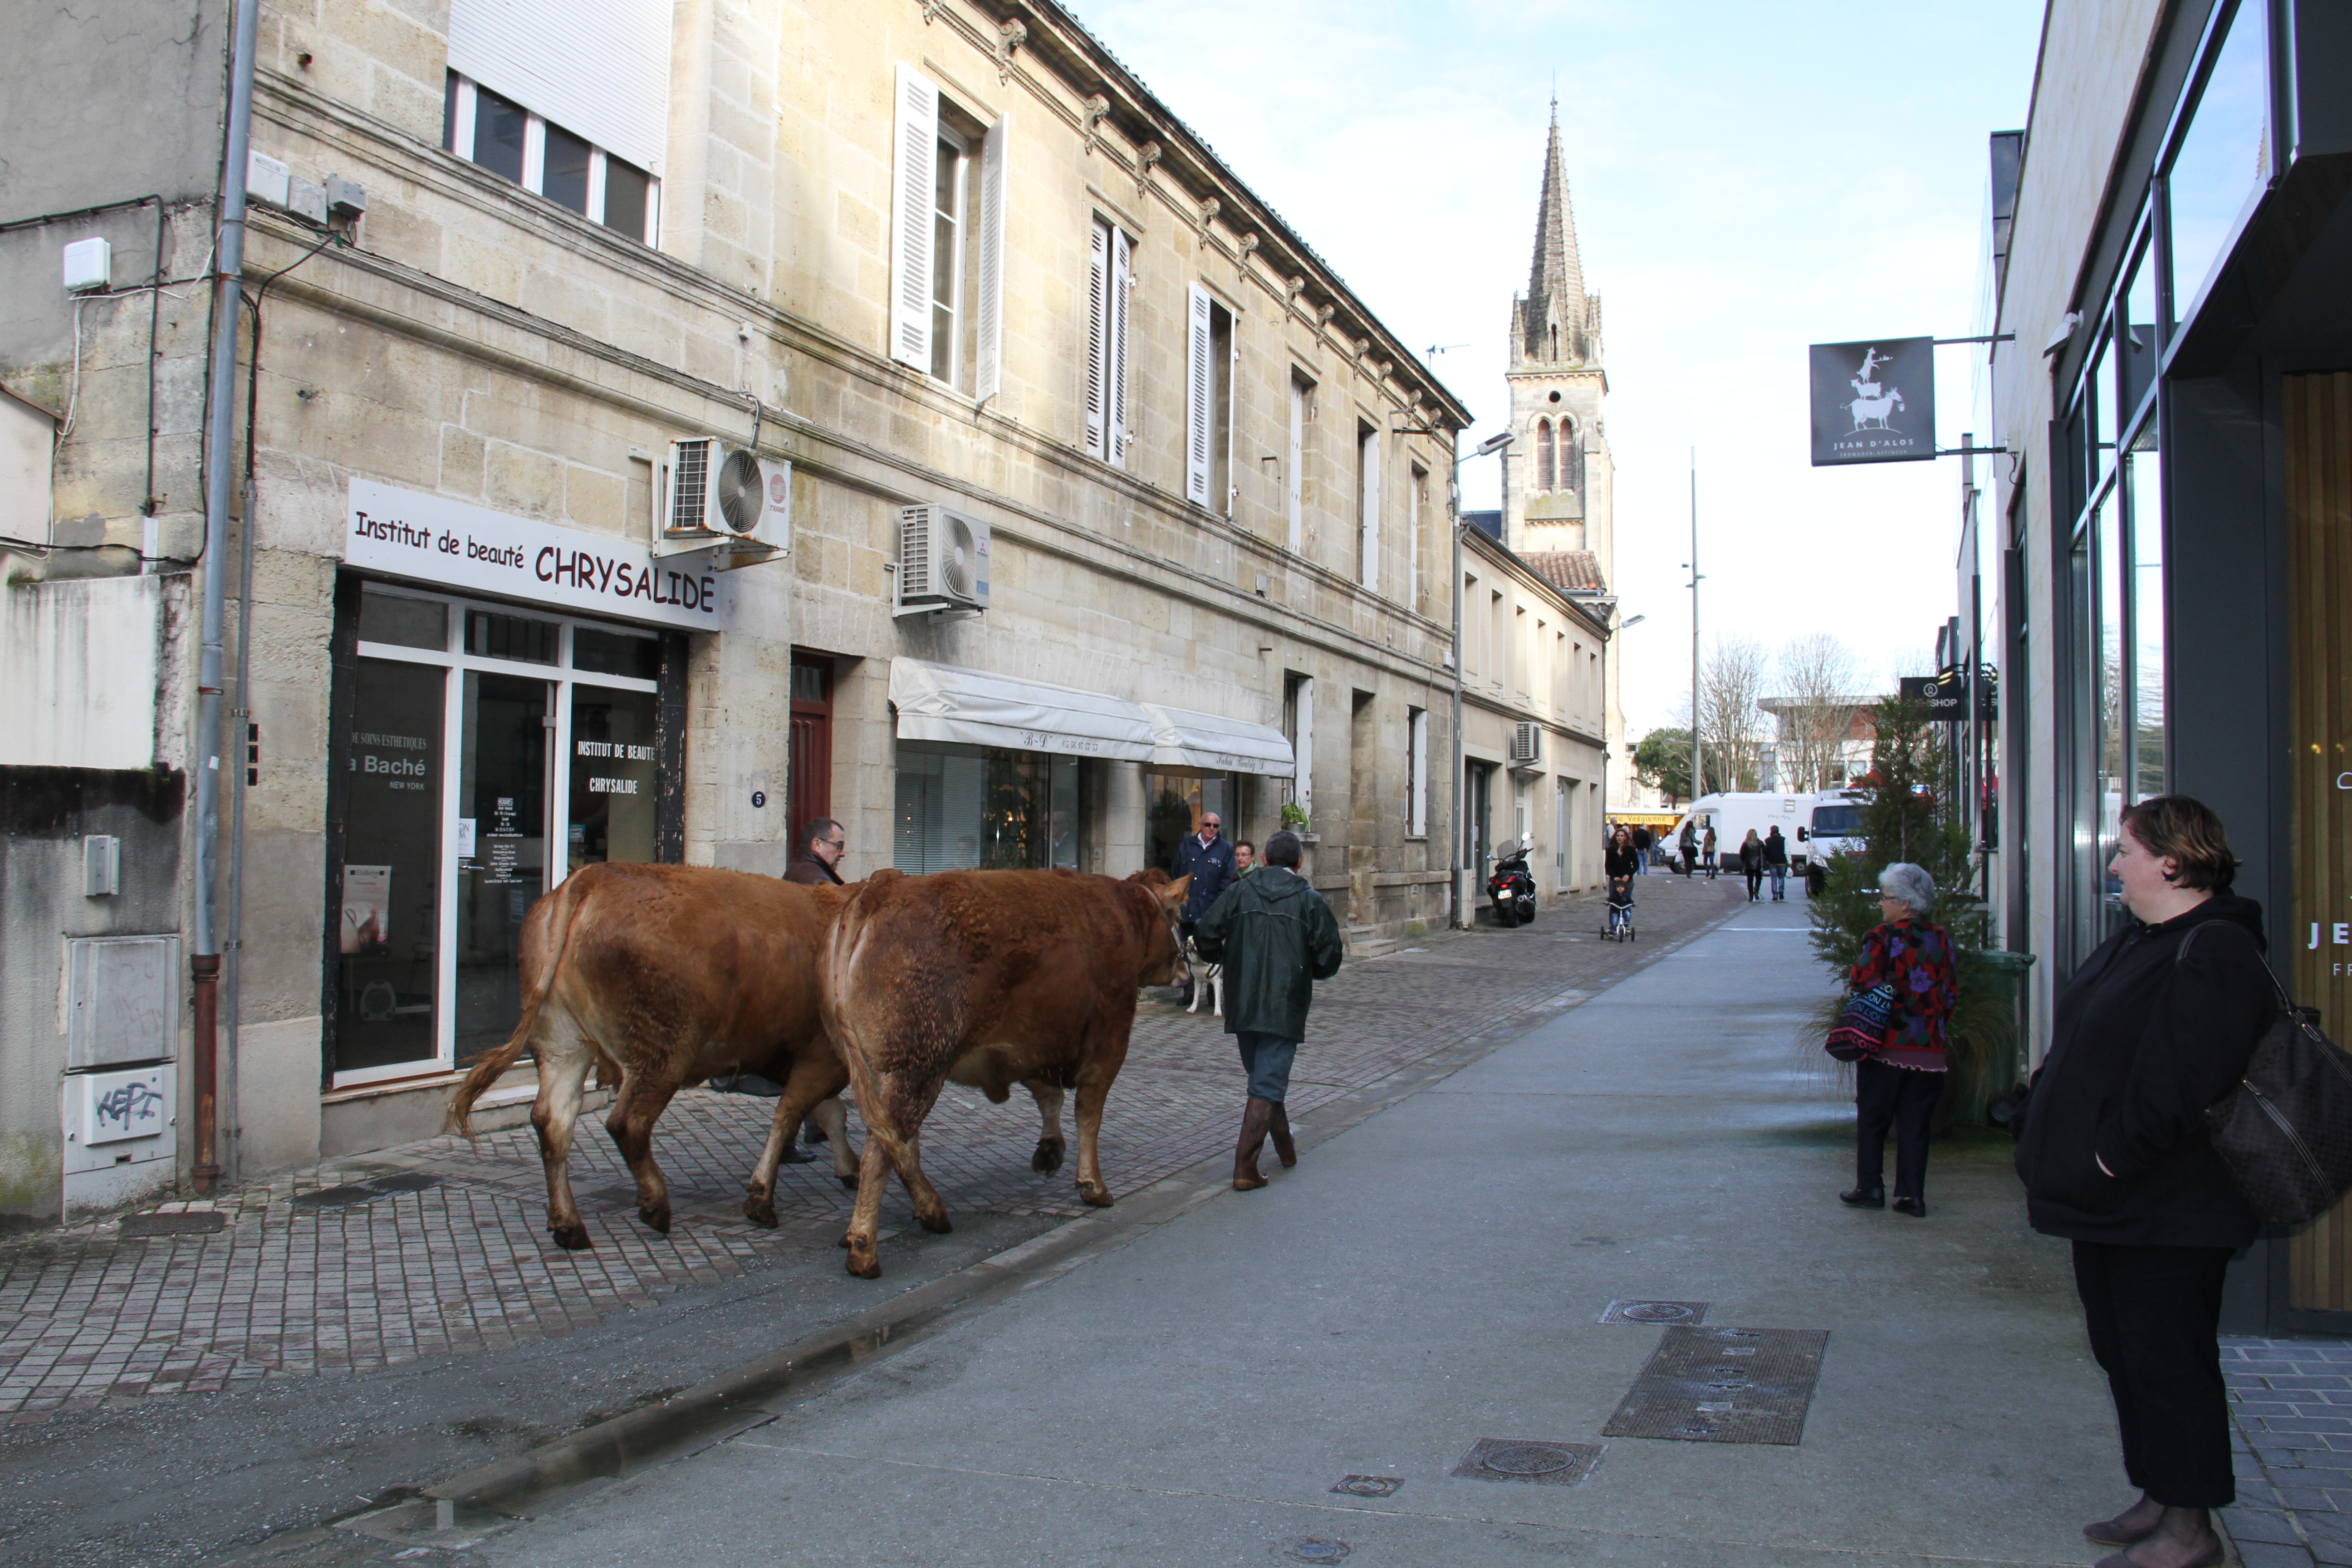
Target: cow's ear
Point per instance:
(1173, 893)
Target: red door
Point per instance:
(811, 792)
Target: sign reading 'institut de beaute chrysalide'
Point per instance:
(466, 549)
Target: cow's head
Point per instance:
(1163, 957)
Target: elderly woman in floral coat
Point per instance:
(1898, 1083)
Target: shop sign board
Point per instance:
(461, 548)
(1945, 695)
(1873, 402)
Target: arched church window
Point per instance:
(1571, 458)
(1546, 465)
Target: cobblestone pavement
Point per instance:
(445, 1249)
(2293, 1401)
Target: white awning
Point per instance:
(1181, 739)
(975, 708)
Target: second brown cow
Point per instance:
(990, 978)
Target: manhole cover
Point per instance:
(1369, 1486)
(1528, 1460)
(1655, 1312)
(340, 1197)
(1681, 1392)
(1309, 1550)
(200, 1222)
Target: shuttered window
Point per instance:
(598, 68)
(517, 142)
(1109, 283)
(1209, 404)
(947, 240)
(1368, 505)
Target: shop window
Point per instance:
(1175, 805)
(491, 634)
(964, 808)
(2224, 160)
(389, 932)
(2136, 333)
(616, 653)
(2143, 493)
(405, 622)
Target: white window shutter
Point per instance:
(1099, 342)
(1122, 282)
(1198, 419)
(991, 374)
(911, 203)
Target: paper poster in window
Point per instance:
(367, 907)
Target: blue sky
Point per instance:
(1747, 178)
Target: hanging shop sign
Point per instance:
(1873, 402)
(1945, 695)
(469, 549)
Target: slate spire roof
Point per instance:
(1555, 320)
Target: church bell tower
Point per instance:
(1557, 490)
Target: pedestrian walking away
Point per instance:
(1898, 1083)
(1776, 861)
(1689, 847)
(822, 845)
(1706, 853)
(1751, 864)
(1276, 937)
(2152, 1029)
(1209, 861)
(1643, 840)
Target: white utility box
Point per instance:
(90, 264)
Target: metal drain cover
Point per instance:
(198, 1222)
(1654, 1312)
(1369, 1486)
(1307, 1549)
(1528, 1460)
(1724, 1385)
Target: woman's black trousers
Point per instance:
(1902, 1098)
(1755, 879)
(2153, 1313)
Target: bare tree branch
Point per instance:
(1731, 727)
(1815, 706)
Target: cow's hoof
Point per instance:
(1048, 1157)
(1095, 1194)
(570, 1237)
(759, 1211)
(863, 1262)
(936, 1224)
(659, 1219)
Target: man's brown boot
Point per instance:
(1280, 1125)
(1253, 1123)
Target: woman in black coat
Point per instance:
(2156, 1025)
(1751, 863)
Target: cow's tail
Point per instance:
(556, 910)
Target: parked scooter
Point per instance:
(1512, 888)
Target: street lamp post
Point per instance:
(1698, 787)
(1455, 891)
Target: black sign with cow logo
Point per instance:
(1873, 402)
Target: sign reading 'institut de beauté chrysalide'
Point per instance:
(465, 549)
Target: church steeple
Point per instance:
(1555, 320)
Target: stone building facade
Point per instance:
(1083, 496)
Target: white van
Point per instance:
(1834, 826)
(1732, 814)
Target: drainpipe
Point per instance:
(220, 430)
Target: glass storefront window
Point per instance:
(387, 940)
(2143, 478)
(2102, 393)
(2224, 156)
(2135, 333)
(1176, 803)
(470, 764)
(962, 808)
(2109, 562)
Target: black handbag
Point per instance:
(2285, 1131)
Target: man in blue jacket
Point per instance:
(1276, 937)
(1208, 860)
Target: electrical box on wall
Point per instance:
(121, 1001)
(126, 1117)
(90, 265)
(102, 865)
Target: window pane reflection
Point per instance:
(389, 938)
(2224, 158)
(2109, 562)
(2143, 475)
(564, 172)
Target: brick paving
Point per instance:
(463, 1264)
(2293, 1404)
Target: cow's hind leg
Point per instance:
(1051, 1145)
(565, 1061)
(644, 1097)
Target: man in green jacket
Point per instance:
(1275, 936)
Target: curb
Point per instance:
(753, 1394)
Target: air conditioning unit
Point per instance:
(942, 561)
(1527, 744)
(733, 502)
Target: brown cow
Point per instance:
(675, 973)
(990, 978)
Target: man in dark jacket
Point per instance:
(1643, 840)
(822, 843)
(1208, 860)
(1776, 860)
(1275, 936)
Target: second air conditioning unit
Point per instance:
(942, 560)
(726, 500)
(1527, 744)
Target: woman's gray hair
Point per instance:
(1912, 885)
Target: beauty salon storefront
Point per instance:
(996, 771)
(484, 748)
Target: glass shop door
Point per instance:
(502, 860)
